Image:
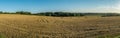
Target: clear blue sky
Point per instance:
(59, 5)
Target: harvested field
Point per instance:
(30, 26)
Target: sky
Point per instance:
(60, 5)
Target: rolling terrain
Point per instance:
(30, 26)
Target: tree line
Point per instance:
(62, 14)
(58, 14)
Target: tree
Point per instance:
(1, 12)
(23, 12)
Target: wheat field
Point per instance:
(30, 26)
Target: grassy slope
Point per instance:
(26, 26)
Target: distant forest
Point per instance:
(63, 14)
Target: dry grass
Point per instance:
(26, 26)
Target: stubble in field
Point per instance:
(28, 26)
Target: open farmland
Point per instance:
(30, 26)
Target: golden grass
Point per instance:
(29, 26)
